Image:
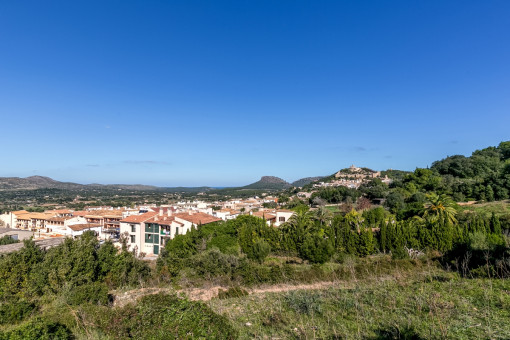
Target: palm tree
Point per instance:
(301, 219)
(439, 207)
(323, 215)
(299, 223)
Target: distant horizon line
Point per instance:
(179, 186)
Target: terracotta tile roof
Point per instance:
(19, 212)
(80, 213)
(198, 218)
(139, 218)
(58, 219)
(105, 213)
(163, 220)
(94, 217)
(231, 211)
(37, 216)
(24, 217)
(265, 215)
(79, 227)
(59, 211)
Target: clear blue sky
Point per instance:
(222, 92)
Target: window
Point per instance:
(133, 239)
(133, 228)
(148, 238)
(176, 230)
(149, 228)
(281, 219)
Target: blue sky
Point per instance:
(222, 92)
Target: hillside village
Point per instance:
(352, 177)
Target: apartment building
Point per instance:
(148, 233)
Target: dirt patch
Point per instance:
(123, 298)
(205, 294)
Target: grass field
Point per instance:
(426, 304)
(499, 207)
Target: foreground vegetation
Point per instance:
(416, 305)
(376, 297)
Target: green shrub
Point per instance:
(163, 316)
(250, 273)
(227, 244)
(399, 253)
(213, 263)
(15, 311)
(316, 249)
(304, 302)
(233, 292)
(38, 329)
(7, 240)
(260, 250)
(95, 293)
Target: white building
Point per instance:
(149, 232)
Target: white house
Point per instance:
(60, 224)
(10, 219)
(75, 230)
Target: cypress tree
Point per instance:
(495, 224)
(383, 235)
(489, 193)
(365, 242)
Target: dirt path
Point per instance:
(208, 293)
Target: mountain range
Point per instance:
(41, 182)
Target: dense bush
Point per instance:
(165, 317)
(261, 249)
(38, 329)
(95, 293)
(316, 249)
(213, 263)
(32, 272)
(7, 240)
(232, 292)
(15, 311)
